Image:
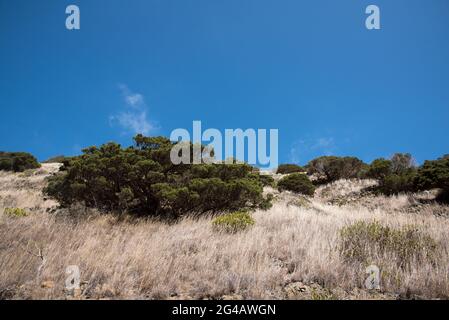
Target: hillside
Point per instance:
(295, 250)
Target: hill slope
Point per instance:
(294, 251)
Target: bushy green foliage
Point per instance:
(395, 175)
(363, 172)
(434, 174)
(298, 183)
(289, 168)
(233, 222)
(17, 161)
(379, 169)
(141, 179)
(401, 175)
(15, 212)
(332, 168)
(266, 203)
(397, 183)
(365, 242)
(266, 180)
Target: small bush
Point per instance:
(397, 183)
(379, 169)
(289, 168)
(266, 180)
(298, 183)
(17, 161)
(331, 168)
(266, 203)
(434, 174)
(365, 242)
(233, 222)
(396, 175)
(15, 212)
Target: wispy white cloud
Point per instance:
(303, 150)
(135, 116)
(132, 99)
(326, 145)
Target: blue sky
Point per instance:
(308, 68)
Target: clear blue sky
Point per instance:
(308, 68)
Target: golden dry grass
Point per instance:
(148, 259)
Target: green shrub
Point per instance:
(15, 212)
(434, 174)
(363, 172)
(332, 168)
(266, 203)
(17, 161)
(396, 175)
(233, 222)
(379, 169)
(267, 180)
(298, 183)
(142, 180)
(289, 168)
(365, 242)
(397, 183)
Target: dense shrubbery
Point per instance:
(17, 161)
(331, 168)
(365, 242)
(395, 175)
(267, 202)
(289, 168)
(401, 175)
(266, 180)
(298, 183)
(379, 169)
(141, 179)
(434, 174)
(233, 222)
(397, 183)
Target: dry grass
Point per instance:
(24, 189)
(344, 187)
(288, 244)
